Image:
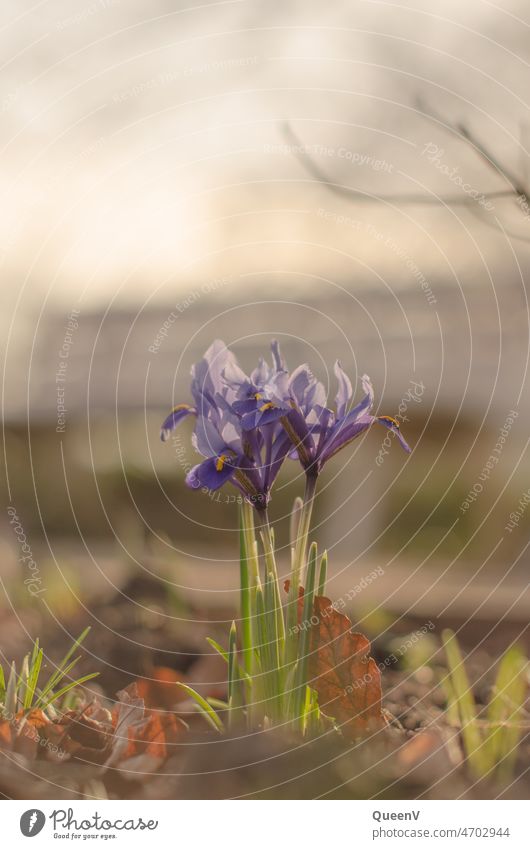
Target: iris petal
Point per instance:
(210, 474)
(258, 418)
(345, 434)
(344, 390)
(392, 425)
(175, 417)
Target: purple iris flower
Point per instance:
(323, 432)
(249, 459)
(272, 395)
(298, 402)
(247, 426)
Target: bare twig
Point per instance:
(312, 168)
(517, 190)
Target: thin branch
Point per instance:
(344, 191)
(517, 190)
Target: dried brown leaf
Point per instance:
(346, 678)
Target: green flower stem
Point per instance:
(272, 571)
(271, 625)
(300, 685)
(250, 539)
(245, 600)
(251, 593)
(298, 567)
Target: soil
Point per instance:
(419, 754)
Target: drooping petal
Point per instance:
(342, 434)
(344, 390)
(393, 425)
(211, 473)
(176, 415)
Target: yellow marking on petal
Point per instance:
(220, 462)
(389, 419)
(258, 396)
(181, 407)
(268, 406)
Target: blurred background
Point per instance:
(173, 173)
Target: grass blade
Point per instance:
(33, 678)
(244, 676)
(466, 704)
(68, 687)
(218, 648)
(205, 709)
(60, 671)
(217, 703)
(23, 681)
(35, 652)
(323, 574)
(54, 680)
(505, 713)
(11, 691)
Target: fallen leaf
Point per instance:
(346, 678)
(6, 735)
(129, 713)
(21, 733)
(160, 690)
(86, 735)
(151, 742)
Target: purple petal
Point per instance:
(260, 417)
(235, 377)
(296, 427)
(249, 405)
(345, 434)
(344, 391)
(279, 362)
(393, 425)
(299, 382)
(260, 375)
(206, 438)
(315, 396)
(356, 412)
(280, 449)
(208, 373)
(368, 389)
(210, 474)
(175, 417)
